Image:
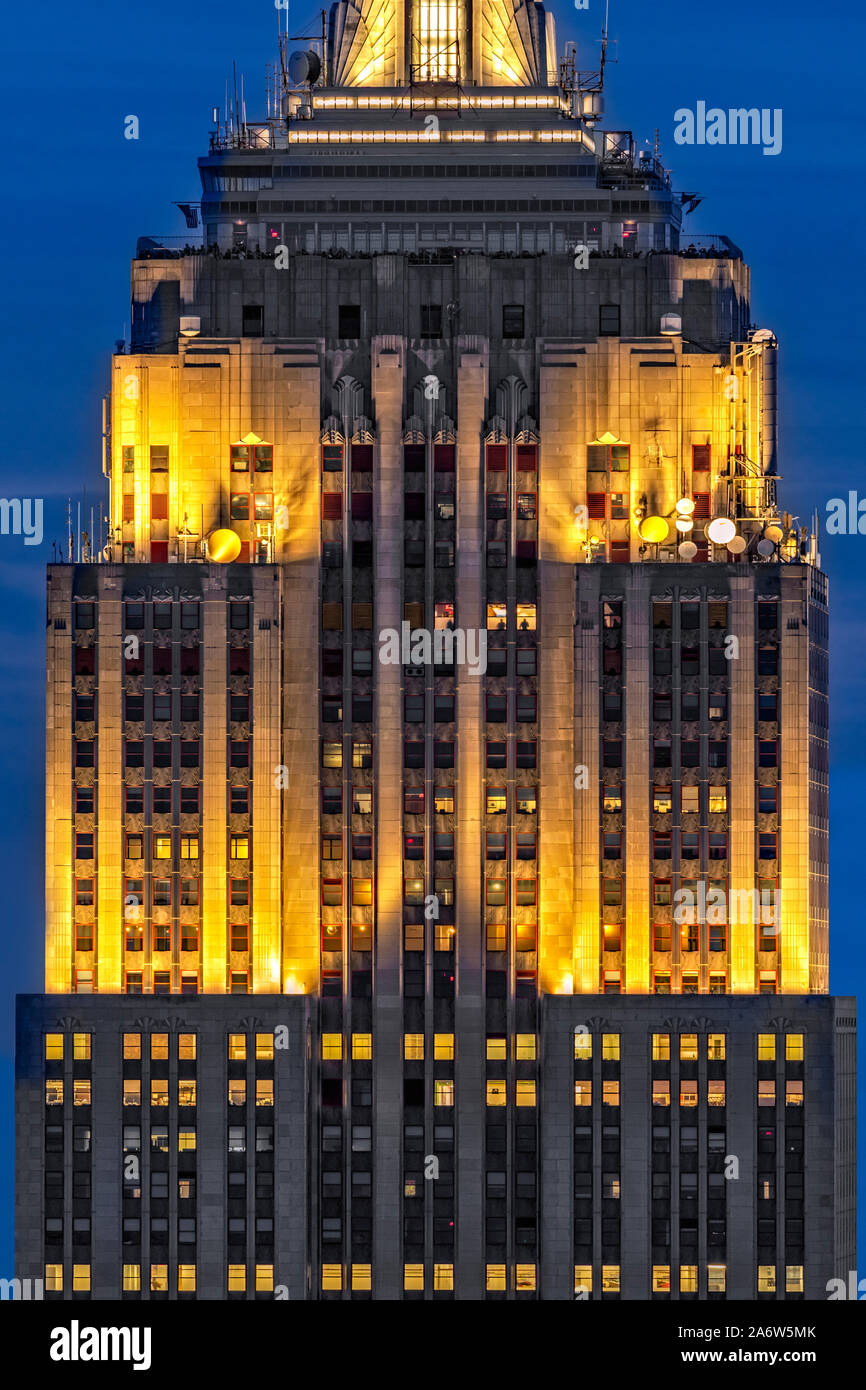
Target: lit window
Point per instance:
(766, 1092)
(332, 1047)
(54, 1047)
(715, 1093)
(583, 1093)
(185, 1140)
(132, 1278)
(610, 1278)
(186, 1047)
(661, 1279)
(237, 1091)
(413, 1278)
(582, 1046)
(237, 1279)
(583, 1279)
(159, 1278)
(496, 1278)
(264, 1278)
(793, 1093)
(54, 1278)
(237, 1047)
(443, 1092)
(716, 1047)
(661, 1047)
(132, 1092)
(81, 1047)
(496, 1093)
(610, 1047)
(793, 1278)
(716, 1278)
(264, 1047)
(332, 1278)
(162, 846)
(81, 1278)
(688, 1047)
(362, 1277)
(688, 1278)
(265, 1092)
(766, 1278)
(81, 1093)
(240, 846)
(443, 1047)
(610, 1093)
(413, 1047)
(362, 1047)
(661, 1093)
(159, 1093)
(524, 1047)
(186, 1093)
(766, 1047)
(443, 1278)
(688, 1093)
(524, 1092)
(794, 1047)
(186, 1278)
(524, 1277)
(54, 1092)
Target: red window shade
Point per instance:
(596, 505)
(526, 550)
(159, 552)
(244, 557)
(159, 506)
(128, 506)
(527, 457)
(362, 458)
(362, 506)
(619, 552)
(703, 554)
(701, 458)
(443, 458)
(497, 458)
(332, 506)
(702, 506)
(84, 661)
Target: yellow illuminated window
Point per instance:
(132, 1092)
(332, 1278)
(362, 1047)
(661, 1047)
(185, 1140)
(496, 1093)
(443, 1092)
(132, 1046)
(162, 846)
(443, 1047)
(766, 1278)
(332, 1047)
(715, 1093)
(661, 1093)
(497, 1047)
(413, 1277)
(81, 1278)
(583, 1093)
(265, 1091)
(413, 936)
(716, 1278)
(688, 1093)
(610, 1047)
(443, 1278)
(362, 1277)
(661, 1279)
(240, 846)
(237, 1047)
(688, 1278)
(766, 1093)
(159, 1046)
(610, 1278)
(524, 1093)
(793, 1278)
(132, 1278)
(496, 1278)
(497, 936)
(81, 1093)
(54, 1047)
(582, 1046)
(237, 1091)
(689, 1047)
(793, 1093)
(265, 1278)
(54, 1092)
(159, 1093)
(186, 1278)
(716, 1047)
(794, 1047)
(186, 1093)
(718, 798)
(524, 1047)
(766, 1047)
(186, 1047)
(610, 1093)
(524, 1277)
(583, 1279)
(264, 1047)
(54, 1278)
(444, 936)
(413, 1047)
(237, 1278)
(81, 1047)
(189, 846)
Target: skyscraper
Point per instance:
(448, 701)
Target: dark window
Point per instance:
(431, 320)
(349, 321)
(608, 320)
(513, 321)
(253, 321)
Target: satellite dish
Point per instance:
(653, 529)
(721, 530)
(737, 545)
(766, 548)
(304, 67)
(223, 546)
(687, 550)
(685, 506)
(671, 325)
(773, 532)
(684, 523)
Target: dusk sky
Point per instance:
(79, 194)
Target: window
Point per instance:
(766, 1047)
(608, 321)
(496, 1093)
(513, 321)
(443, 1092)
(349, 321)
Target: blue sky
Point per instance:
(79, 194)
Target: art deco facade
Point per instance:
(444, 360)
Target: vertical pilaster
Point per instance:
(794, 783)
(109, 785)
(59, 862)
(265, 667)
(741, 816)
(636, 684)
(213, 777)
